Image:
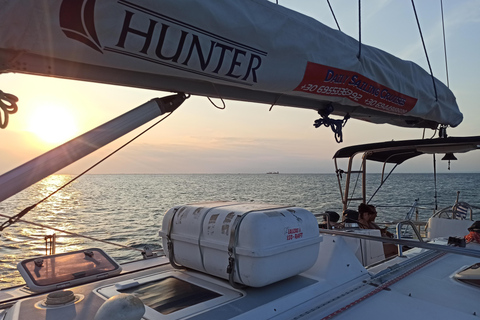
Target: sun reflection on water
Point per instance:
(22, 241)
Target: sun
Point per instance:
(53, 123)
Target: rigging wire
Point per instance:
(435, 182)
(17, 217)
(382, 183)
(446, 60)
(355, 186)
(74, 234)
(360, 29)
(444, 44)
(333, 14)
(425, 49)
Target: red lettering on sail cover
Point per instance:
(328, 81)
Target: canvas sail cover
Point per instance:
(250, 50)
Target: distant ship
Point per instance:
(273, 172)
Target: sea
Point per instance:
(128, 209)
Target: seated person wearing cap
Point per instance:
(333, 218)
(474, 233)
(350, 219)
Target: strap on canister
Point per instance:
(232, 244)
(171, 254)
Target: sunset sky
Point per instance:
(246, 137)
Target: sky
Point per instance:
(247, 137)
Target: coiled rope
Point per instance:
(335, 124)
(8, 105)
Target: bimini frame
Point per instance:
(394, 152)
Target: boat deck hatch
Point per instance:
(67, 269)
(171, 294)
(174, 294)
(470, 275)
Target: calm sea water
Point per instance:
(128, 209)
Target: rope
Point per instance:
(360, 29)
(73, 233)
(335, 125)
(425, 49)
(215, 104)
(219, 96)
(275, 102)
(444, 44)
(333, 14)
(12, 220)
(10, 107)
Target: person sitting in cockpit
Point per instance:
(366, 219)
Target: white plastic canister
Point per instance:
(261, 243)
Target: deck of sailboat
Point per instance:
(420, 283)
(429, 292)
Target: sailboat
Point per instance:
(223, 259)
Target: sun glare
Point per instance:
(53, 124)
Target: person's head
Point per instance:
(333, 216)
(367, 212)
(475, 227)
(350, 216)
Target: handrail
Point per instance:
(451, 210)
(399, 234)
(412, 210)
(326, 216)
